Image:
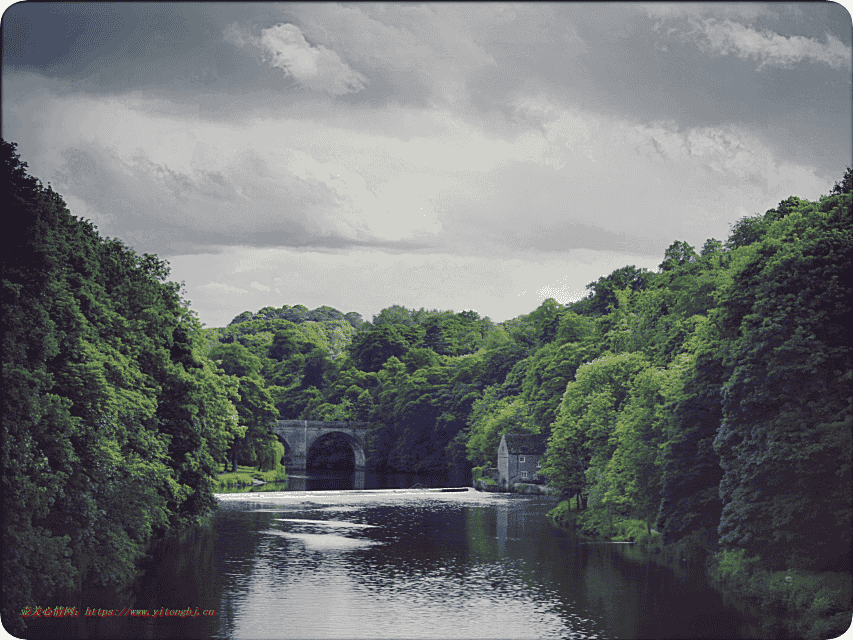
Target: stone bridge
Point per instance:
(300, 435)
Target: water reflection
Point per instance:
(411, 564)
(326, 480)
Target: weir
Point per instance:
(300, 435)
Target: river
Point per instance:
(402, 563)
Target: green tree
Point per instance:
(395, 314)
(505, 346)
(492, 418)
(846, 184)
(582, 435)
(315, 369)
(785, 437)
(354, 319)
(690, 498)
(678, 255)
(371, 349)
(603, 291)
(112, 421)
(546, 320)
(548, 372)
(745, 231)
(289, 341)
(634, 471)
(255, 407)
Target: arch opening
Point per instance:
(332, 451)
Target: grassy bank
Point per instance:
(599, 523)
(244, 476)
(793, 603)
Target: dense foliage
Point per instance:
(113, 425)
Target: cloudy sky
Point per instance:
(450, 156)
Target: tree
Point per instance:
(371, 349)
(288, 341)
(582, 435)
(354, 319)
(690, 498)
(745, 231)
(315, 368)
(509, 343)
(634, 470)
(712, 247)
(491, 419)
(546, 320)
(395, 314)
(434, 340)
(574, 328)
(846, 184)
(678, 255)
(785, 437)
(236, 360)
(548, 372)
(243, 317)
(113, 423)
(604, 289)
(256, 408)
(419, 358)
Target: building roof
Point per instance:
(533, 444)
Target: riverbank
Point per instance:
(248, 477)
(792, 603)
(598, 523)
(493, 486)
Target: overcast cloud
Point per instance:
(451, 156)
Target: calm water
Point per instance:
(404, 564)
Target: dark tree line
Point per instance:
(112, 426)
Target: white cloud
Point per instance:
(221, 288)
(260, 287)
(769, 48)
(742, 11)
(284, 47)
(314, 67)
(426, 51)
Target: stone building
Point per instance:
(520, 458)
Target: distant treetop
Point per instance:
(298, 314)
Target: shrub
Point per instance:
(560, 512)
(733, 562)
(630, 530)
(596, 521)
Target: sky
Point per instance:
(444, 156)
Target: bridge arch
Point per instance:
(300, 436)
(355, 445)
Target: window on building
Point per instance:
(523, 474)
(521, 458)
